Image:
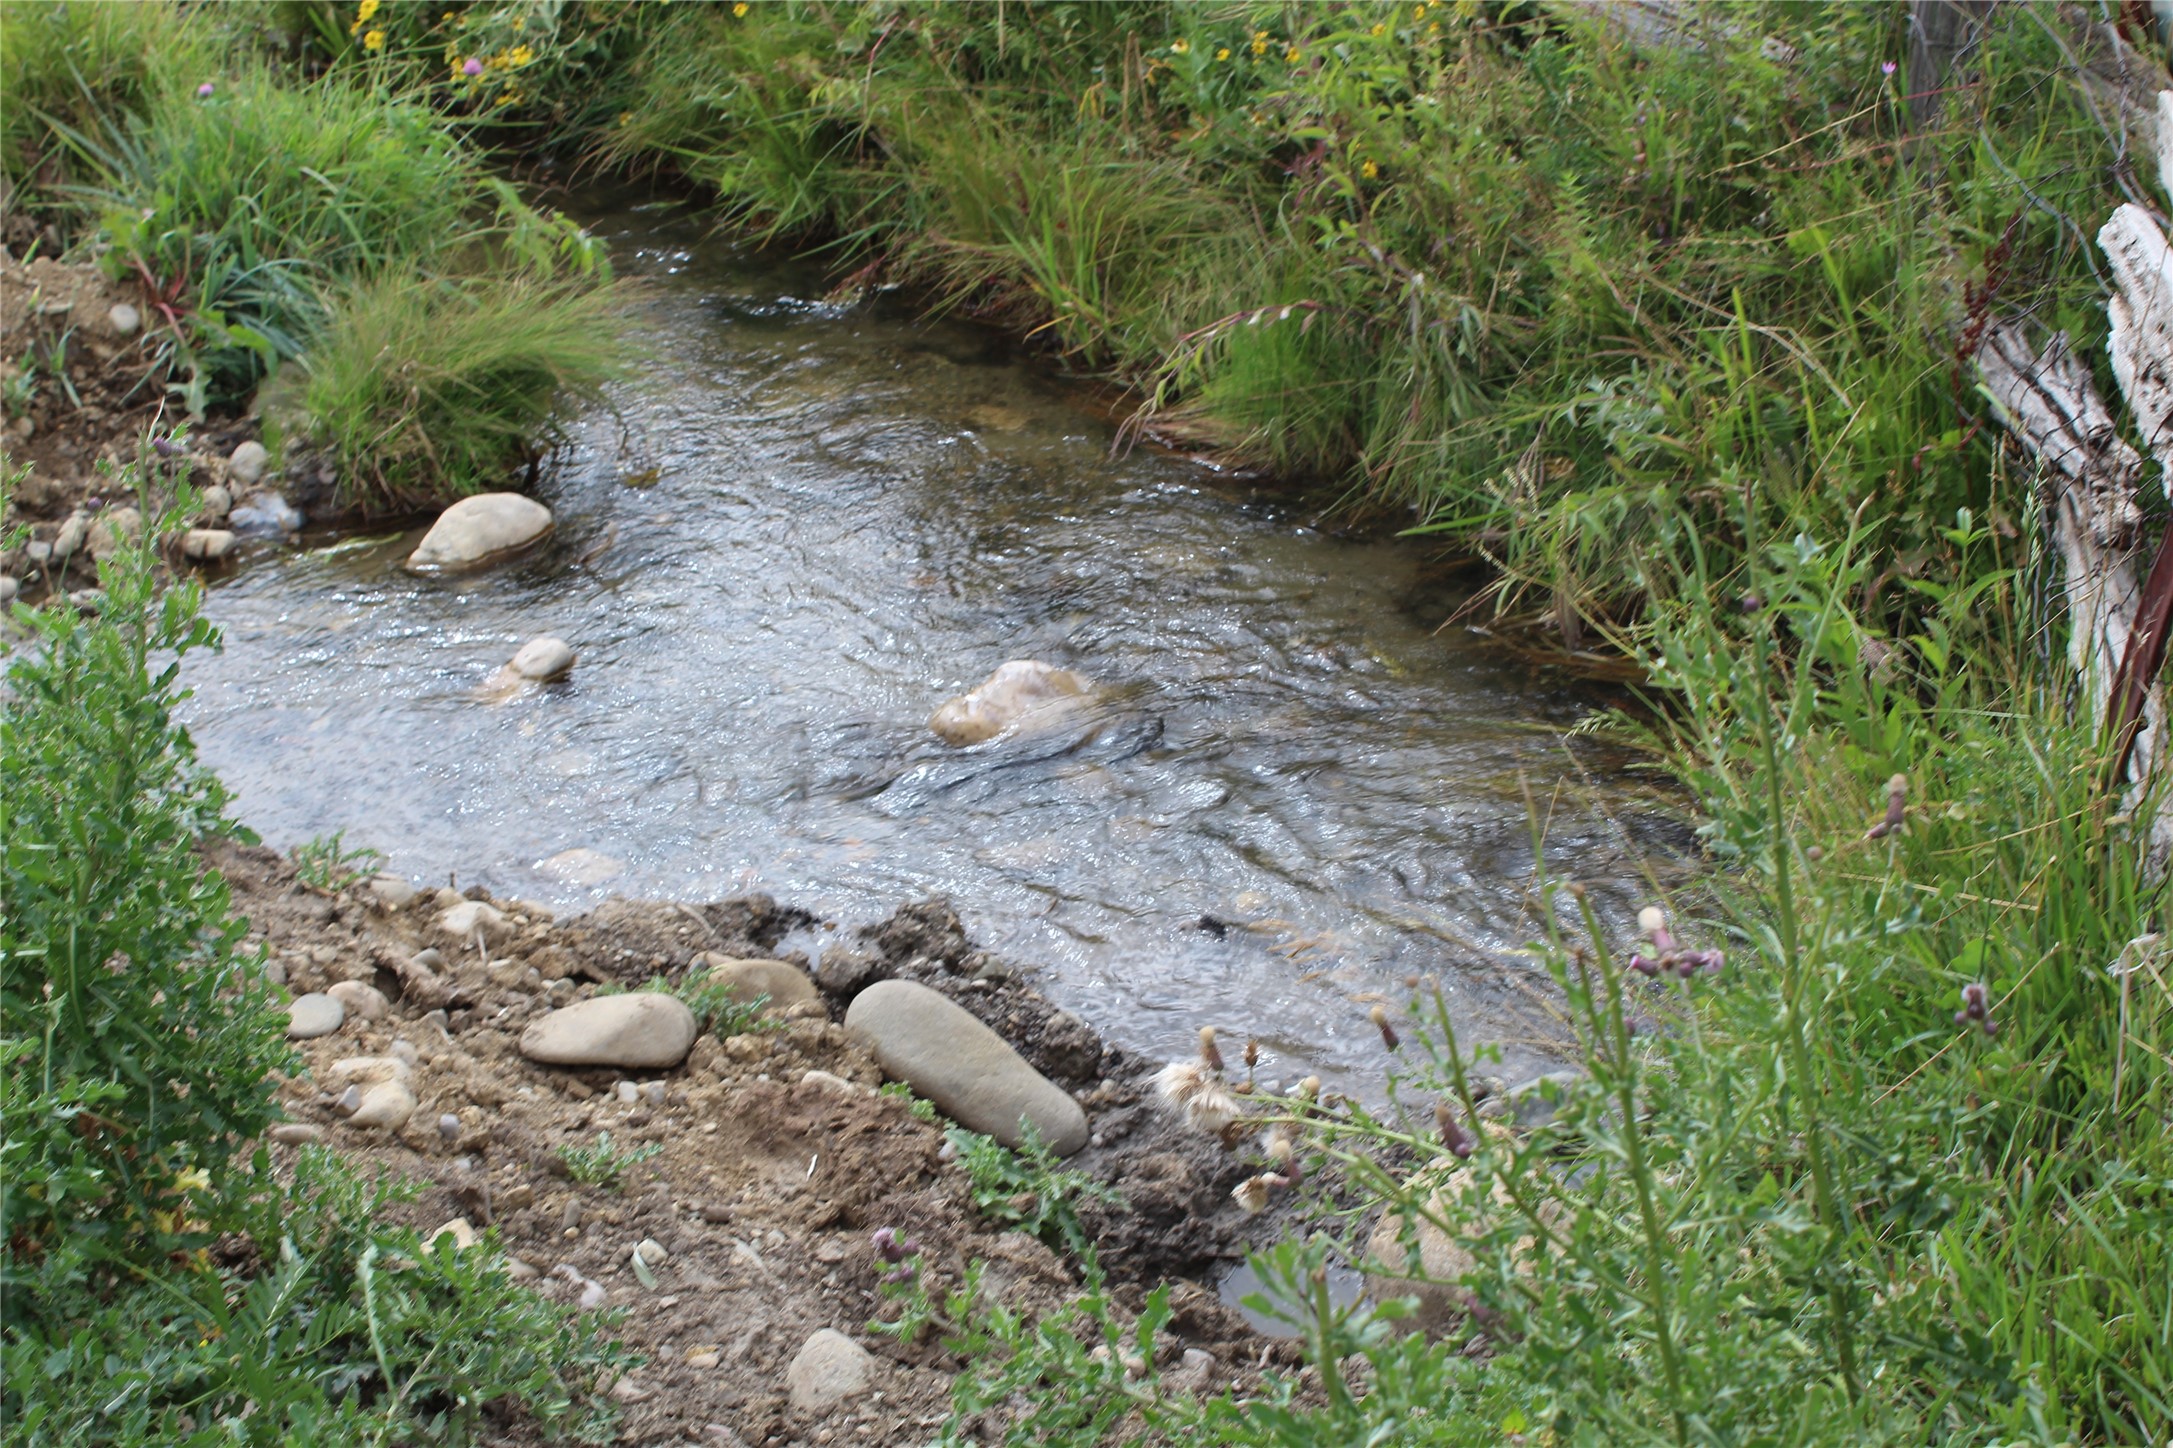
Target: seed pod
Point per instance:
(1379, 1016)
(1208, 1051)
(1453, 1135)
(1897, 803)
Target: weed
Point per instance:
(603, 1164)
(922, 1109)
(1029, 1188)
(326, 866)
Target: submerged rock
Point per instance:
(972, 1075)
(582, 866)
(265, 512)
(640, 1028)
(543, 659)
(481, 530)
(1012, 697)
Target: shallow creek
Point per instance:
(806, 526)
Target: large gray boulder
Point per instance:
(481, 530)
(637, 1029)
(1022, 694)
(970, 1073)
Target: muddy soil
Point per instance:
(775, 1157)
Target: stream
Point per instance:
(807, 525)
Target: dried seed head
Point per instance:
(1213, 1110)
(1208, 1050)
(1652, 920)
(1379, 1016)
(1453, 1135)
(1576, 889)
(1897, 804)
(1251, 1194)
(1252, 1053)
(1277, 1146)
(1309, 1088)
(1180, 1081)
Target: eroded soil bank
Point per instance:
(776, 1158)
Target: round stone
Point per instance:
(972, 1075)
(639, 1028)
(1022, 693)
(480, 530)
(206, 545)
(829, 1369)
(543, 659)
(366, 1001)
(247, 463)
(313, 1015)
(125, 320)
(745, 981)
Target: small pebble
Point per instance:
(349, 1100)
(297, 1133)
(628, 1092)
(652, 1251)
(124, 319)
(449, 1126)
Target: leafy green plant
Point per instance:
(602, 1164)
(1029, 1188)
(922, 1109)
(716, 1009)
(327, 866)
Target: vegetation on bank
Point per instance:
(1675, 333)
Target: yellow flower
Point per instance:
(1180, 47)
(447, 18)
(739, 11)
(354, 27)
(1434, 29)
(521, 55)
(1369, 170)
(1380, 29)
(1293, 55)
(196, 1178)
(375, 40)
(366, 9)
(1259, 45)
(626, 118)
(1223, 54)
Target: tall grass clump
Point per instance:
(75, 65)
(422, 387)
(158, 1284)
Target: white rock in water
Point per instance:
(581, 866)
(1008, 699)
(266, 512)
(480, 530)
(125, 320)
(206, 545)
(247, 463)
(974, 1077)
(313, 1015)
(639, 1028)
(829, 1369)
(543, 659)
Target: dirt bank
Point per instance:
(767, 1181)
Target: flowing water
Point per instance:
(809, 524)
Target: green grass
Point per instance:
(421, 388)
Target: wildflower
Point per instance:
(1897, 804)
(1379, 30)
(1252, 1193)
(1293, 55)
(471, 67)
(1888, 67)
(1453, 1135)
(626, 118)
(204, 91)
(1977, 1007)
(1370, 170)
(1278, 1147)
(1223, 54)
(375, 40)
(1379, 1017)
(1196, 1092)
(891, 1247)
(739, 11)
(366, 10)
(1259, 42)
(521, 56)
(195, 1179)
(1180, 47)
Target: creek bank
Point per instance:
(775, 1158)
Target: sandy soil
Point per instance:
(768, 1181)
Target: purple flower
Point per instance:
(471, 66)
(1977, 1008)
(893, 1248)
(1888, 67)
(205, 90)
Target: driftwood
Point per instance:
(2117, 626)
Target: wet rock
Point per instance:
(265, 514)
(207, 545)
(784, 983)
(246, 464)
(113, 530)
(217, 503)
(1021, 693)
(481, 530)
(388, 1104)
(469, 916)
(639, 1028)
(830, 1369)
(581, 866)
(313, 1015)
(970, 1072)
(366, 1001)
(543, 659)
(296, 1133)
(124, 319)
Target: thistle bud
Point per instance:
(1453, 1135)
(1252, 1053)
(1379, 1016)
(1977, 1008)
(1208, 1050)
(1897, 803)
